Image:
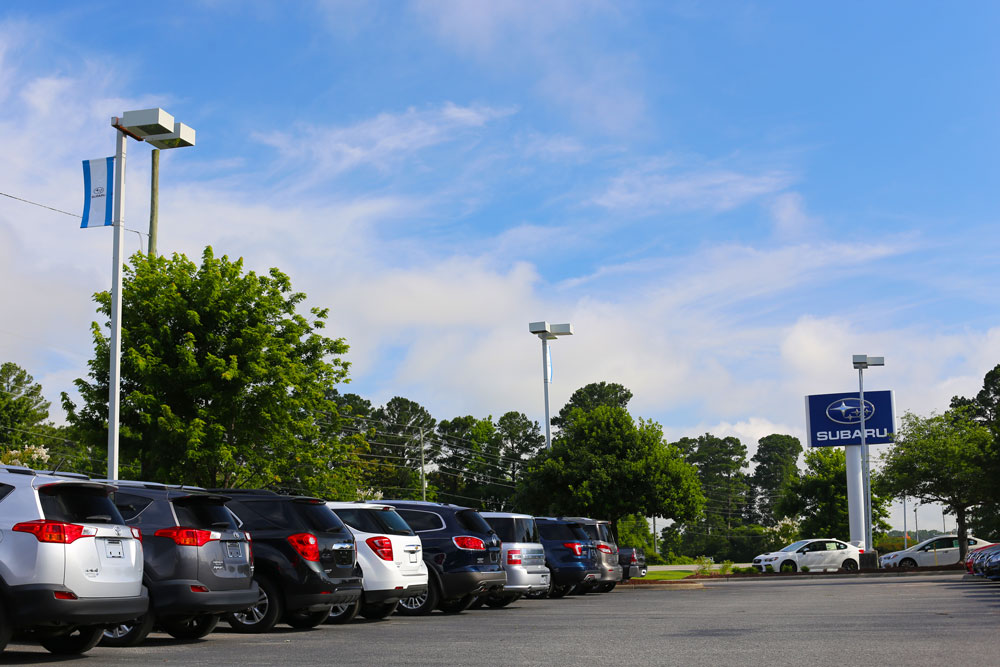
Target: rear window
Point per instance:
(260, 514)
(561, 531)
(386, 522)
(130, 505)
(604, 530)
(205, 513)
(421, 521)
(78, 504)
(514, 530)
(319, 517)
(590, 530)
(471, 520)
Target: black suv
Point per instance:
(196, 560)
(462, 554)
(304, 559)
(569, 554)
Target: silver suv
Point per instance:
(69, 566)
(523, 557)
(599, 531)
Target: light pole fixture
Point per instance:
(156, 127)
(861, 362)
(547, 332)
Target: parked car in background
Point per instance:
(599, 532)
(391, 559)
(69, 565)
(197, 562)
(462, 554)
(304, 560)
(991, 565)
(938, 550)
(570, 554)
(633, 562)
(522, 557)
(975, 555)
(815, 554)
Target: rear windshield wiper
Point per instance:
(101, 518)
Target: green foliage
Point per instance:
(984, 519)
(609, 394)
(223, 383)
(605, 465)
(805, 568)
(633, 531)
(726, 568)
(749, 569)
(23, 409)
(777, 466)
(704, 565)
(396, 433)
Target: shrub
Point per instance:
(726, 567)
(749, 569)
(805, 568)
(655, 559)
(703, 565)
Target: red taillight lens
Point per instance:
(634, 559)
(188, 537)
(604, 548)
(55, 531)
(196, 588)
(575, 547)
(136, 533)
(305, 545)
(65, 595)
(469, 543)
(382, 546)
(514, 557)
(861, 551)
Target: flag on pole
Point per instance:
(98, 196)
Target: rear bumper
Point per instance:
(319, 595)
(610, 573)
(390, 595)
(460, 584)
(530, 579)
(570, 576)
(175, 598)
(35, 605)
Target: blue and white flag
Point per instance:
(98, 186)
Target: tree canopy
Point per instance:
(588, 397)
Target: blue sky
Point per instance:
(727, 200)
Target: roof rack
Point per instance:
(19, 470)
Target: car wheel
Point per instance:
(130, 633)
(608, 587)
(500, 601)
(850, 565)
(76, 641)
(789, 566)
(304, 620)
(557, 592)
(478, 602)
(6, 629)
(423, 604)
(459, 605)
(344, 613)
(582, 589)
(263, 615)
(907, 562)
(374, 612)
(194, 627)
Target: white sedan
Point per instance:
(939, 550)
(817, 554)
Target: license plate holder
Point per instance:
(114, 549)
(233, 550)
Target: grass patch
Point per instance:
(666, 575)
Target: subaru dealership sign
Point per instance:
(835, 419)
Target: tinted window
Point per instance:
(514, 530)
(260, 514)
(78, 504)
(204, 513)
(604, 530)
(319, 517)
(561, 531)
(130, 505)
(471, 520)
(591, 531)
(7, 488)
(421, 521)
(374, 521)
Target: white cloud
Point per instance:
(790, 218)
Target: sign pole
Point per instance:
(867, 469)
(115, 360)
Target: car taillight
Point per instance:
(604, 548)
(514, 557)
(65, 595)
(861, 551)
(469, 543)
(305, 545)
(575, 547)
(55, 531)
(249, 547)
(382, 546)
(188, 537)
(136, 533)
(634, 559)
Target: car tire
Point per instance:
(907, 562)
(130, 633)
(78, 640)
(6, 629)
(459, 605)
(556, 592)
(478, 602)
(301, 619)
(378, 611)
(849, 565)
(263, 615)
(608, 587)
(194, 627)
(344, 613)
(582, 589)
(423, 604)
(788, 566)
(500, 601)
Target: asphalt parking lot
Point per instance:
(918, 620)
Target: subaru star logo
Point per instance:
(98, 191)
(848, 411)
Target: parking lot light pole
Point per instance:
(158, 128)
(547, 332)
(861, 362)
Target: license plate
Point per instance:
(113, 548)
(413, 558)
(233, 549)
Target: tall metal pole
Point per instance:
(115, 361)
(154, 200)
(546, 381)
(866, 469)
(916, 525)
(906, 536)
(423, 479)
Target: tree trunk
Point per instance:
(963, 540)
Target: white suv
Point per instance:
(390, 556)
(69, 565)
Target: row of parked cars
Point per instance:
(84, 561)
(984, 562)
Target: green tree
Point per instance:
(818, 498)
(23, 409)
(984, 519)
(777, 460)
(396, 433)
(605, 465)
(633, 531)
(224, 382)
(610, 394)
(941, 459)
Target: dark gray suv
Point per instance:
(197, 561)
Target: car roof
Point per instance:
(425, 503)
(358, 504)
(505, 515)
